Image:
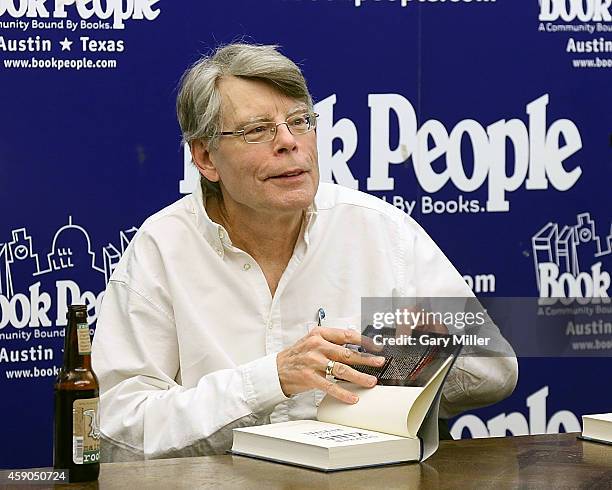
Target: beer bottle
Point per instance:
(77, 427)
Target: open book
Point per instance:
(395, 421)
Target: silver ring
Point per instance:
(330, 368)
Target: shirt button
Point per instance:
(220, 252)
(246, 267)
(221, 234)
(270, 325)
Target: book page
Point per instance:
(317, 433)
(397, 410)
(381, 408)
(607, 417)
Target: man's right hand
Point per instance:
(301, 367)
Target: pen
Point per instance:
(320, 316)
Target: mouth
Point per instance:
(292, 174)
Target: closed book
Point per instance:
(597, 427)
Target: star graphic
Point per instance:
(66, 44)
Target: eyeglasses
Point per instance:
(262, 132)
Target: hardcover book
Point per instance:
(396, 421)
(597, 428)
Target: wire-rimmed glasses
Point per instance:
(264, 131)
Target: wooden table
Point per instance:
(546, 461)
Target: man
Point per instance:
(208, 322)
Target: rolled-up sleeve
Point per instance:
(481, 375)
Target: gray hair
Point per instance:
(198, 105)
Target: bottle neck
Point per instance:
(77, 343)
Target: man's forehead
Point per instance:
(243, 99)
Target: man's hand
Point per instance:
(301, 367)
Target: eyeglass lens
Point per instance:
(266, 131)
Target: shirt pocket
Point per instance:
(343, 322)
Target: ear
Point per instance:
(202, 160)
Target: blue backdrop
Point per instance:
(488, 121)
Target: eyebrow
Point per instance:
(301, 107)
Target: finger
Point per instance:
(370, 346)
(338, 335)
(347, 373)
(342, 336)
(349, 356)
(332, 389)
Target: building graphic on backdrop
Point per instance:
(570, 259)
(70, 269)
(111, 254)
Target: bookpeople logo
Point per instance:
(570, 10)
(516, 423)
(569, 261)
(590, 17)
(544, 154)
(113, 14)
(35, 291)
(69, 34)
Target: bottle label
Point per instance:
(83, 339)
(86, 431)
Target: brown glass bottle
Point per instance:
(76, 429)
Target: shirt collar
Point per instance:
(309, 220)
(217, 236)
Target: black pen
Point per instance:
(320, 316)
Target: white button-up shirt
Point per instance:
(186, 342)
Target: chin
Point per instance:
(295, 201)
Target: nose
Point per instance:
(284, 140)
